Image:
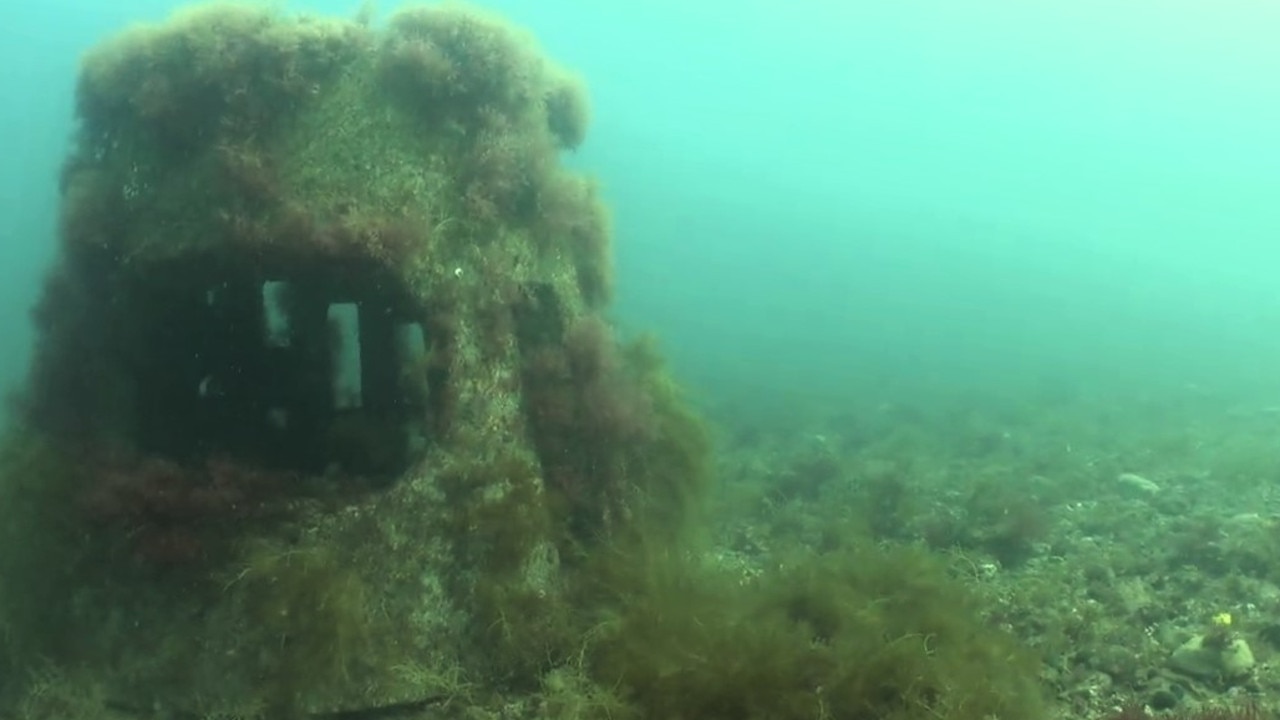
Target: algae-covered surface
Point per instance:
(328, 419)
(1127, 542)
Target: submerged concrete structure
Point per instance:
(325, 410)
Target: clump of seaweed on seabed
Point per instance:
(862, 631)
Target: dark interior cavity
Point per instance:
(314, 367)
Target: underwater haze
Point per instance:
(814, 199)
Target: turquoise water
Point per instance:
(813, 201)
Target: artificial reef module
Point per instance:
(324, 402)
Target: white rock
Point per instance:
(1138, 483)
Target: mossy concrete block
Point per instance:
(326, 344)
